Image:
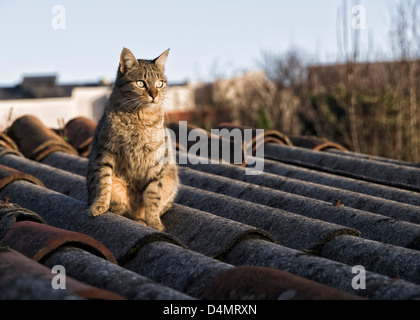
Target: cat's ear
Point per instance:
(161, 60)
(127, 60)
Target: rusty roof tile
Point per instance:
(7, 142)
(23, 278)
(36, 240)
(35, 140)
(258, 138)
(80, 132)
(315, 143)
(11, 213)
(9, 175)
(261, 283)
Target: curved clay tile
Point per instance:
(22, 235)
(28, 279)
(258, 138)
(10, 213)
(80, 131)
(262, 283)
(9, 175)
(315, 143)
(7, 142)
(35, 140)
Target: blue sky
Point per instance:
(207, 38)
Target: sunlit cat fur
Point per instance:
(132, 170)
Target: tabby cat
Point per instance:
(132, 169)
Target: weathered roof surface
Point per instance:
(294, 231)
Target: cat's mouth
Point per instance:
(152, 102)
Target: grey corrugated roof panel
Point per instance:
(68, 162)
(357, 200)
(235, 154)
(207, 228)
(372, 157)
(369, 170)
(52, 177)
(375, 256)
(123, 237)
(184, 270)
(87, 268)
(198, 286)
(46, 244)
(325, 271)
(371, 226)
(283, 224)
(190, 271)
(290, 229)
(230, 231)
(346, 183)
(83, 266)
(287, 228)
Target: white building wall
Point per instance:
(88, 102)
(84, 101)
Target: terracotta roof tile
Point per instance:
(80, 132)
(36, 240)
(260, 283)
(43, 140)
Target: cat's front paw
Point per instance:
(98, 208)
(156, 225)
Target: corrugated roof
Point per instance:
(295, 231)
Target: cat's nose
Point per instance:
(153, 93)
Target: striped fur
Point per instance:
(132, 169)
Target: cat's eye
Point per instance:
(159, 84)
(140, 84)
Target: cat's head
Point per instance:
(141, 82)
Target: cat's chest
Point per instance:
(138, 149)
